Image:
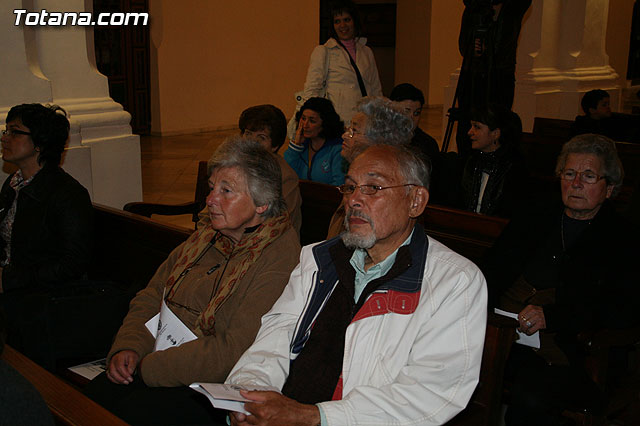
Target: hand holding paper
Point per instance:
(523, 339)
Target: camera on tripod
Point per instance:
(481, 12)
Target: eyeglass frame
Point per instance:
(580, 176)
(375, 188)
(351, 132)
(13, 132)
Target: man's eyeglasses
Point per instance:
(350, 131)
(14, 132)
(588, 177)
(367, 189)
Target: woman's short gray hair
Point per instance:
(260, 168)
(386, 122)
(601, 146)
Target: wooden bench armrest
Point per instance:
(68, 405)
(147, 209)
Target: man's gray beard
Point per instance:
(354, 241)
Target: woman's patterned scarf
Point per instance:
(249, 247)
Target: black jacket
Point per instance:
(597, 284)
(507, 173)
(51, 236)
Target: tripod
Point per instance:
(472, 64)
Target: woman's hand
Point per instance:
(122, 366)
(299, 137)
(531, 319)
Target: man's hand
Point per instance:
(271, 408)
(121, 367)
(531, 319)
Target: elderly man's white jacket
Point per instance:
(411, 357)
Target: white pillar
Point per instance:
(561, 55)
(57, 65)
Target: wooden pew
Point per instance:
(542, 146)
(68, 406)
(467, 233)
(128, 248)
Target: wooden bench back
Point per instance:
(68, 406)
(128, 248)
(542, 146)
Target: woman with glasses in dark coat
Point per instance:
(565, 269)
(45, 223)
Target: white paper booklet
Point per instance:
(523, 339)
(227, 397)
(168, 330)
(91, 369)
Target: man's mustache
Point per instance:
(356, 213)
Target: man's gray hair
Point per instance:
(414, 166)
(260, 169)
(386, 122)
(601, 146)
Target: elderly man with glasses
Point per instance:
(381, 325)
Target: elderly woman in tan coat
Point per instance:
(218, 283)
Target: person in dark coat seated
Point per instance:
(46, 224)
(564, 268)
(596, 105)
(495, 171)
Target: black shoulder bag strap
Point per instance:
(363, 89)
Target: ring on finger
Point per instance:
(528, 323)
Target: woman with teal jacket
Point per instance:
(315, 152)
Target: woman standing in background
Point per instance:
(343, 69)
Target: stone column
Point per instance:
(561, 55)
(57, 65)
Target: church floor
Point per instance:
(170, 163)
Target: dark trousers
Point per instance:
(139, 404)
(540, 392)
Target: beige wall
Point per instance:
(618, 34)
(212, 59)
(443, 53)
(412, 43)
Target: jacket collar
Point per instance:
(405, 275)
(332, 43)
(42, 183)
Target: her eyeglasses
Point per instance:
(14, 132)
(587, 176)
